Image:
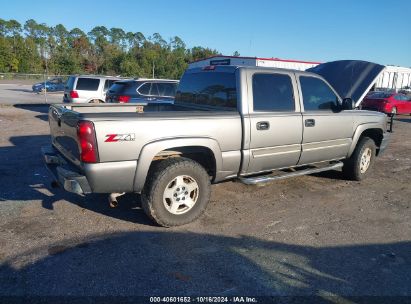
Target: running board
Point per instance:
(268, 178)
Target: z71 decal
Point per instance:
(120, 137)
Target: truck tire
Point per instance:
(359, 164)
(177, 192)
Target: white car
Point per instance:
(87, 88)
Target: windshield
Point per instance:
(205, 89)
(118, 86)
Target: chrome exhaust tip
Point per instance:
(112, 199)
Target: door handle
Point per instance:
(263, 125)
(309, 122)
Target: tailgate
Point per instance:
(63, 130)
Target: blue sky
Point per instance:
(317, 30)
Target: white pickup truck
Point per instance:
(228, 122)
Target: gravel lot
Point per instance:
(312, 235)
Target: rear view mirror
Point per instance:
(348, 104)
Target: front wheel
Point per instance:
(359, 164)
(177, 192)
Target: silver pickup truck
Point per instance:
(253, 124)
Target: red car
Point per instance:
(394, 103)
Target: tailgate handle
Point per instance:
(263, 125)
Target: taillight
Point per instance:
(73, 94)
(123, 98)
(87, 141)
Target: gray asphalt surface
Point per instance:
(17, 93)
(313, 235)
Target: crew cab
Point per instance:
(252, 124)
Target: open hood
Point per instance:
(350, 78)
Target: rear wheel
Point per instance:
(359, 164)
(177, 192)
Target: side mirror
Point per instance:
(348, 104)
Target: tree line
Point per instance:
(37, 48)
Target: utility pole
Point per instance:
(45, 77)
(153, 70)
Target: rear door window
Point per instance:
(145, 89)
(87, 84)
(401, 97)
(154, 89)
(273, 92)
(317, 95)
(167, 89)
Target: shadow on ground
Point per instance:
(185, 263)
(22, 90)
(42, 109)
(402, 118)
(24, 177)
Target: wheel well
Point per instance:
(204, 156)
(375, 134)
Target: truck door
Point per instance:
(327, 130)
(275, 121)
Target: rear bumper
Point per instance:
(65, 174)
(109, 177)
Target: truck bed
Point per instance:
(122, 133)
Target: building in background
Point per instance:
(393, 77)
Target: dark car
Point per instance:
(51, 85)
(142, 90)
(406, 90)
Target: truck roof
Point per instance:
(98, 76)
(349, 78)
(232, 68)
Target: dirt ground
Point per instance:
(317, 235)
